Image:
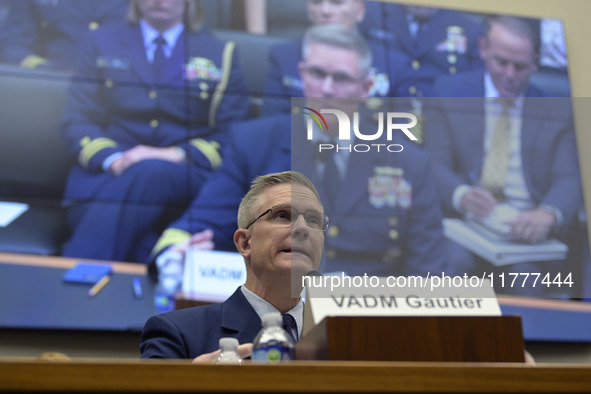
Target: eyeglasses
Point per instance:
(284, 215)
(338, 78)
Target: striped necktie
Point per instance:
(290, 326)
(496, 162)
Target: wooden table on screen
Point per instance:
(40, 299)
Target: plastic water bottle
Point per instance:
(272, 344)
(170, 279)
(228, 351)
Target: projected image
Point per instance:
(132, 129)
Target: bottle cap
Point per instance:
(228, 343)
(171, 260)
(272, 318)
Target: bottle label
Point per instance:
(273, 354)
(164, 302)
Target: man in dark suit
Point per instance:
(532, 166)
(146, 116)
(283, 79)
(403, 236)
(48, 34)
(281, 231)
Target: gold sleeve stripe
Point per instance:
(171, 236)
(210, 150)
(32, 61)
(92, 148)
(220, 89)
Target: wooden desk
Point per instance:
(298, 376)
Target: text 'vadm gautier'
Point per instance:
(412, 301)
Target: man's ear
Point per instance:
(242, 242)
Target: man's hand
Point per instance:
(142, 152)
(178, 252)
(118, 166)
(243, 351)
(202, 240)
(478, 202)
(533, 225)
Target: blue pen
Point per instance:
(137, 288)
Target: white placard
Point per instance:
(212, 276)
(433, 298)
(9, 211)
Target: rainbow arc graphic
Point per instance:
(316, 116)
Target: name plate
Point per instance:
(212, 275)
(338, 296)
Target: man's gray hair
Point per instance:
(336, 35)
(250, 203)
(193, 18)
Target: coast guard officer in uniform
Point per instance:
(48, 33)
(283, 79)
(386, 212)
(281, 230)
(146, 116)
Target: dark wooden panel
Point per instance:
(422, 338)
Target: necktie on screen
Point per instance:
(159, 63)
(496, 163)
(290, 325)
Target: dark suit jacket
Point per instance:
(471, 84)
(455, 131)
(188, 333)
